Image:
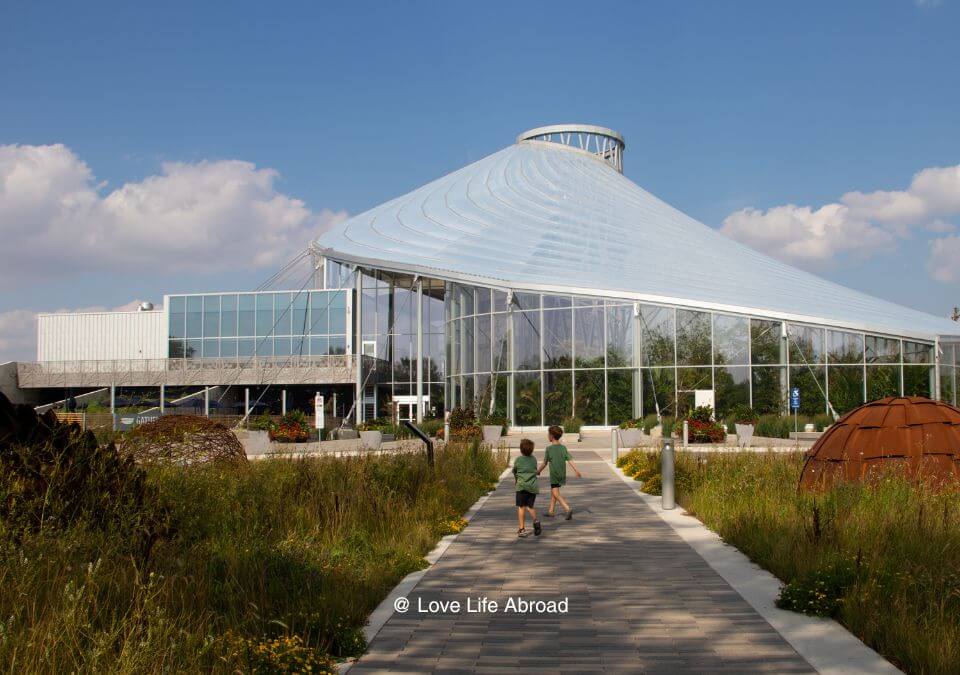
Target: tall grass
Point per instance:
(271, 566)
(890, 551)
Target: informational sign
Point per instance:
(702, 397)
(795, 398)
(318, 411)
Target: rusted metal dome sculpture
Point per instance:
(912, 435)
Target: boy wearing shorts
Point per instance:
(557, 457)
(525, 473)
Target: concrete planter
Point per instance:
(254, 442)
(809, 428)
(630, 438)
(492, 433)
(371, 440)
(744, 435)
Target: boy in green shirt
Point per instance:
(525, 473)
(557, 457)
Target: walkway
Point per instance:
(640, 599)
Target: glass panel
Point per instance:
(300, 317)
(557, 339)
(338, 313)
(466, 301)
(806, 344)
(501, 386)
(948, 385)
(404, 358)
(526, 397)
(281, 346)
(917, 352)
(526, 340)
(501, 343)
(882, 381)
(691, 379)
(194, 348)
(844, 347)
(483, 394)
(177, 326)
(456, 298)
(368, 306)
(769, 390)
(588, 348)
(766, 344)
(656, 329)
(483, 343)
(433, 358)
(556, 301)
(456, 347)
(882, 350)
(245, 347)
(499, 301)
(228, 348)
(228, 316)
(620, 336)
(812, 384)
(319, 313)
(917, 380)
(337, 345)
(318, 346)
(621, 393)
(483, 301)
(846, 387)
(211, 316)
(211, 348)
(176, 349)
(732, 388)
(195, 316)
(589, 398)
(588, 302)
(731, 337)
(469, 400)
(557, 396)
(433, 312)
(265, 347)
(659, 391)
(264, 316)
(405, 307)
(693, 338)
(527, 301)
(468, 344)
(282, 313)
(246, 315)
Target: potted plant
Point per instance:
(463, 425)
(292, 428)
(745, 421)
(630, 433)
(572, 425)
(493, 426)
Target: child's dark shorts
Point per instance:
(525, 498)
(555, 485)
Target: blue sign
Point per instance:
(795, 398)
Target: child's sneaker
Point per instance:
(536, 527)
(522, 532)
(549, 515)
(570, 514)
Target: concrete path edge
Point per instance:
(385, 610)
(825, 644)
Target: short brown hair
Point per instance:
(555, 432)
(526, 447)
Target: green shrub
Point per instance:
(822, 421)
(819, 592)
(495, 419)
(262, 423)
(649, 422)
(431, 426)
(461, 418)
(632, 424)
(774, 426)
(572, 425)
(703, 413)
(743, 414)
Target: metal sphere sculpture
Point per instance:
(911, 435)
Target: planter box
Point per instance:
(630, 438)
(254, 442)
(809, 428)
(371, 440)
(344, 434)
(744, 435)
(492, 433)
(389, 437)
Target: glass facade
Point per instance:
(540, 359)
(268, 324)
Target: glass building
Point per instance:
(540, 283)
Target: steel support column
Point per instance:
(419, 350)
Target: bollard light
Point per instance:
(614, 447)
(668, 495)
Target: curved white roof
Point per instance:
(544, 216)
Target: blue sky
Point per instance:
(731, 111)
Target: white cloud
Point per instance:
(859, 223)
(18, 329)
(944, 261)
(205, 216)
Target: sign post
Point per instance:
(795, 405)
(318, 421)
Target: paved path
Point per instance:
(640, 599)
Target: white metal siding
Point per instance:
(101, 336)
